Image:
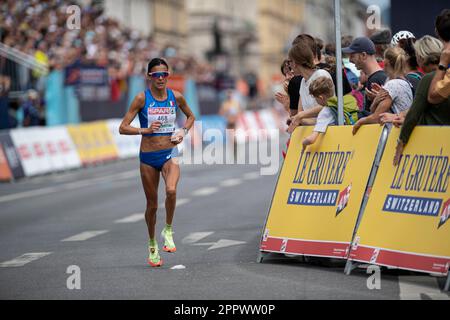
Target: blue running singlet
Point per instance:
(163, 111)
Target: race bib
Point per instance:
(165, 115)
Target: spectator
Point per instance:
(352, 72)
(295, 82)
(330, 49)
(382, 40)
(322, 89)
(302, 63)
(41, 57)
(230, 109)
(4, 102)
(362, 54)
(328, 63)
(440, 87)
(396, 94)
(400, 37)
(31, 109)
(413, 74)
(422, 113)
(428, 51)
(283, 97)
(319, 48)
(309, 41)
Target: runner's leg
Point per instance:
(171, 174)
(150, 181)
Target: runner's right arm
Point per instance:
(125, 127)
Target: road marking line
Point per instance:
(182, 201)
(413, 287)
(223, 243)
(85, 235)
(67, 186)
(205, 191)
(204, 244)
(27, 194)
(231, 182)
(178, 267)
(132, 218)
(196, 236)
(24, 259)
(251, 175)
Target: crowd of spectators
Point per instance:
(386, 79)
(39, 29)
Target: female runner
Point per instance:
(157, 108)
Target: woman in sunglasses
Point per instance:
(157, 108)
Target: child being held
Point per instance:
(322, 89)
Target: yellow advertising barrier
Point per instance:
(405, 223)
(319, 193)
(94, 142)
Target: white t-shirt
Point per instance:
(324, 119)
(401, 94)
(308, 101)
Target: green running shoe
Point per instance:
(167, 234)
(154, 259)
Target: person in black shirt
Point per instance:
(362, 54)
(294, 93)
(287, 98)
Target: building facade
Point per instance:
(164, 20)
(239, 37)
(253, 33)
(319, 19)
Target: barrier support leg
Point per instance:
(349, 267)
(260, 257)
(447, 283)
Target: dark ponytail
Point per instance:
(156, 62)
(408, 46)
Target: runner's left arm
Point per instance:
(186, 110)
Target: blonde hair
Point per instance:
(398, 60)
(429, 49)
(322, 86)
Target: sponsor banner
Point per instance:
(5, 172)
(406, 221)
(34, 159)
(127, 145)
(93, 75)
(94, 142)
(90, 75)
(11, 155)
(42, 150)
(72, 74)
(92, 81)
(319, 192)
(59, 147)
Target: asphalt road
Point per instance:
(93, 219)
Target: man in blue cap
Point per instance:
(362, 54)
